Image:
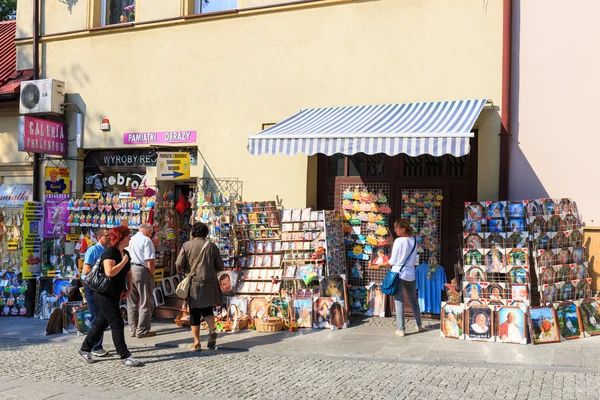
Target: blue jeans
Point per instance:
(89, 296)
(411, 293)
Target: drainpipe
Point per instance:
(36, 75)
(505, 134)
(31, 283)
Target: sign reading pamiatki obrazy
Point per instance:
(159, 137)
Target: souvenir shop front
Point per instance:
(411, 160)
(120, 181)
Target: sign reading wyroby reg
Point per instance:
(173, 166)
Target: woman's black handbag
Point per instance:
(97, 280)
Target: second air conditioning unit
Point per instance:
(42, 96)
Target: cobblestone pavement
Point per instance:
(39, 370)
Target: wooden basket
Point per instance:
(271, 324)
(229, 322)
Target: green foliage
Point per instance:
(8, 10)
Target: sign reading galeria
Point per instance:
(38, 135)
(33, 229)
(160, 137)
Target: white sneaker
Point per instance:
(87, 356)
(132, 362)
(400, 333)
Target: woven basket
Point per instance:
(269, 324)
(229, 322)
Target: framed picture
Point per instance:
(511, 324)
(358, 299)
(451, 317)
(518, 275)
(84, 319)
(582, 289)
(579, 271)
(494, 261)
(321, 312)
(289, 271)
(519, 292)
(296, 215)
(334, 286)
(70, 323)
(473, 257)
(546, 275)
(227, 281)
(548, 207)
(496, 293)
(475, 274)
(515, 209)
(566, 291)
(564, 273)
(543, 326)
(569, 320)
(564, 256)
(472, 227)
(479, 323)
(257, 307)
(473, 291)
(496, 210)
(590, 316)
(302, 311)
(493, 240)
(168, 288)
(576, 238)
(375, 302)
(337, 315)
(381, 254)
(159, 297)
(518, 240)
(284, 307)
(516, 225)
(554, 224)
(548, 294)
(473, 241)
(578, 256)
(496, 225)
(305, 216)
(474, 212)
(517, 257)
(532, 208)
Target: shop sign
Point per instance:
(113, 182)
(15, 195)
(57, 180)
(170, 234)
(12, 245)
(89, 196)
(56, 215)
(33, 217)
(42, 136)
(128, 158)
(173, 166)
(72, 237)
(150, 138)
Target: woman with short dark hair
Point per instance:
(116, 265)
(202, 260)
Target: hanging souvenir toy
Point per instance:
(371, 239)
(371, 217)
(95, 220)
(110, 221)
(361, 239)
(71, 219)
(365, 197)
(365, 207)
(86, 204)
(150, 202)
(356, 194)
(371, 226)
(362, 216)
(355, 206)
(71, 203)
(347, 195)
(354, 220)
(88, 219)
(381, 230)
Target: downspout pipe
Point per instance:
(505, 133)
(36, 75)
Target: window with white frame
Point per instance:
(208, 6)
(117, 12)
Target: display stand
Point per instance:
(259, 248)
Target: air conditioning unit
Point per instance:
(42, 96)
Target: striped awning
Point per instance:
(435, 128)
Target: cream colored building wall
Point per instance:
(63, 16)
(14, 166)
(226, 77)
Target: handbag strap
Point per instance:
(193, 271)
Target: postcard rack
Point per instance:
(258, 248)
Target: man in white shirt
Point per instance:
(142, 253)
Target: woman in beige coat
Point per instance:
(202, 259)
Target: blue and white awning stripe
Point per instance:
(435, 128)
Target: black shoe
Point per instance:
(87, 356)
(212, 339)
(99, 353)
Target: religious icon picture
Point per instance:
(569, 320)
(474, 212)
(543, 326)
(495, 261)
(167, 287)
(472, 227)
(548, 207)
(579, 271)
(472, 291)
(541, 241)
(564, 273)
(496, 225)
(479, 323)
(337, 315)
(569, 222)
(451, 320)
(495, 293)
(582, 289)
(517, 257)
(257, 307)
(515, 210)
(554, 223)
(496, 210)
(578, 256)
(518, 275)
(590, 316)
(335, 287)
(547, 275)
(322, 312)
(376, 302)
(548, 294)
(566, 291)
(473, 241)
(576, 238)
(518, 240)
(358, 299)
(493, 240)
(240, 302)
(473, 258)
(532, 208)
(519, 292)
(511, 322)
(564, 257)
(475, 274)
(380, 255)
(296, 215)
(302, 312)
(159, 298)
(545, 258)
(516, 225)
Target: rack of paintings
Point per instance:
(495, 255)
(215, 199)
(559, 252)
(258, 247)
(366, 227)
